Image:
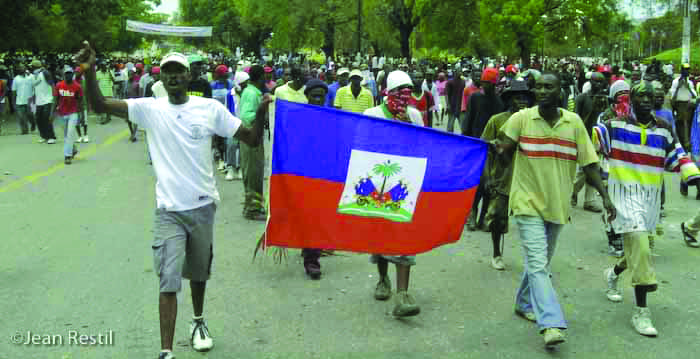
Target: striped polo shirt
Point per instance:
(545, 163)
(344, 100)
(637, 156)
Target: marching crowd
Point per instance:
(554, 129)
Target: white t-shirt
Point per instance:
(42, 90)
(24, 89)
(413, 114)
(179, 141)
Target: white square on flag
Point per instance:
(382, 185)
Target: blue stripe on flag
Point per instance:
(316, 142)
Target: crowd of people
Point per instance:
(554, 129)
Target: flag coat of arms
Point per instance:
(345, 181)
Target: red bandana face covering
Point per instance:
(397, 101)
(622, 106)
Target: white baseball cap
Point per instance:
(355, 73)
(175, 57)
(397, 79)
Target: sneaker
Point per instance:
(383, 289)
(41, 140)
(641, 320)
(222, 166)
(313, 269)
(405, 305)
(229, 174)
(166, 355)
(68, 160)
(526, 315)
(200, 339)
(51, 141)
(497, 263)
(86, 139)
(613, 293)
(552, 337)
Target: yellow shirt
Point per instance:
(545, 163)
(346, 101)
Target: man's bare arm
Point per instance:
(86, 58)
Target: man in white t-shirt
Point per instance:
(42, 82)
(180, 129)
(23, 90)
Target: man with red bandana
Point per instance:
(396, 107)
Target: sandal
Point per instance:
(688, 238)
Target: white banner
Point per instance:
(167, 30)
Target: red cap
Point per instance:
(490, 75)
(221, 70)
(155, 70)
(139, 66)
(268, 69)
(511, 69)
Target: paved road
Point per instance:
(76, 257)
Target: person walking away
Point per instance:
(499, 168)
(42, 81)
(639, 147)
(395, 107)
(23, 90)
(482, 106)
(68, 95)
(180, 129)
(543, 177)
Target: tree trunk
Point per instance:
(329, 40)
(405, 32)
(524, 46)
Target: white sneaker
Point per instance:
(613, 293)
(222, 166)
(641, 320)
(51, 141)
(86, 139)
(199, 336)
(497, 263)
(229, 174)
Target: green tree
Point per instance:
(401, 15)
(386, 170)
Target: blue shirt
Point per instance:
(330, 97)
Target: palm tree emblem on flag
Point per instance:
(392, 200)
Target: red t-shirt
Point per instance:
(67, 97)
(425, 103)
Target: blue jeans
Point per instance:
(536, 293)
(232, 155)
(70, 133)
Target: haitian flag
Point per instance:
(346, 181)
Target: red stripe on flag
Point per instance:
(303, 214)
(637, 158)
(551, 154)
(546, 141)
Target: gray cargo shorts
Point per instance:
(183, 246)
(405, 260)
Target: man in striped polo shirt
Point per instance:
(639, 147)
(354, 97)
(550, 142)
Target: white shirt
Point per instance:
(42, 89)
(434, 92)
(684, 93)
(179, 141)
(413, 114)
(24, 89)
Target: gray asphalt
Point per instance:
(76, 257)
